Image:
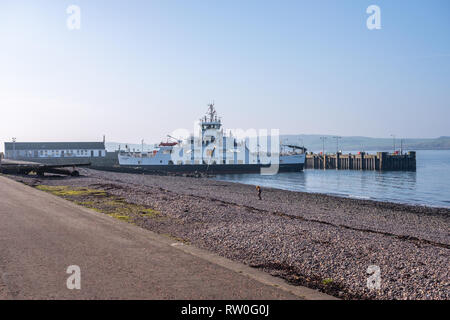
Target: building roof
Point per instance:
(54, 145)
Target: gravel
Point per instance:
(315, 240)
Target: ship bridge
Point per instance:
(211, 126)
(210, 120)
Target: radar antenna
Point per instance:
(211, 112)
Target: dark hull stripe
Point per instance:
(212, 169)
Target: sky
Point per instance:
(142, 69)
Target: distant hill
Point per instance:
(346, 144)
(314, 143)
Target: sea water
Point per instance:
(429, 185)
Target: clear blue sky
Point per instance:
(141, 69)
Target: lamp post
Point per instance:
(337, 143)
(393, 136)
(337, 151)
(323, 144)
(14, 147)
(323, 151)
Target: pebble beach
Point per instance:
(314, 240)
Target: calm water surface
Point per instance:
(429, 185)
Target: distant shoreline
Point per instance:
(146, 147)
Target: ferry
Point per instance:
(212, 151)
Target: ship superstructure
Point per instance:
(210, 150)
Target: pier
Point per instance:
(381, 161)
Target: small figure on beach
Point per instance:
(258, 189)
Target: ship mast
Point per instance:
(210, 120)
(212, 112)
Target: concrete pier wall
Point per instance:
(382, 161)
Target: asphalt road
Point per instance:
(42, 235)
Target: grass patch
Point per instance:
(150, 213)
(85, 203)
(327, 281)
(177, 239)
(66, 191)
(101, 201)
(120, 217)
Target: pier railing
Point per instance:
(382, 161)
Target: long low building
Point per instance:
(52, 150)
